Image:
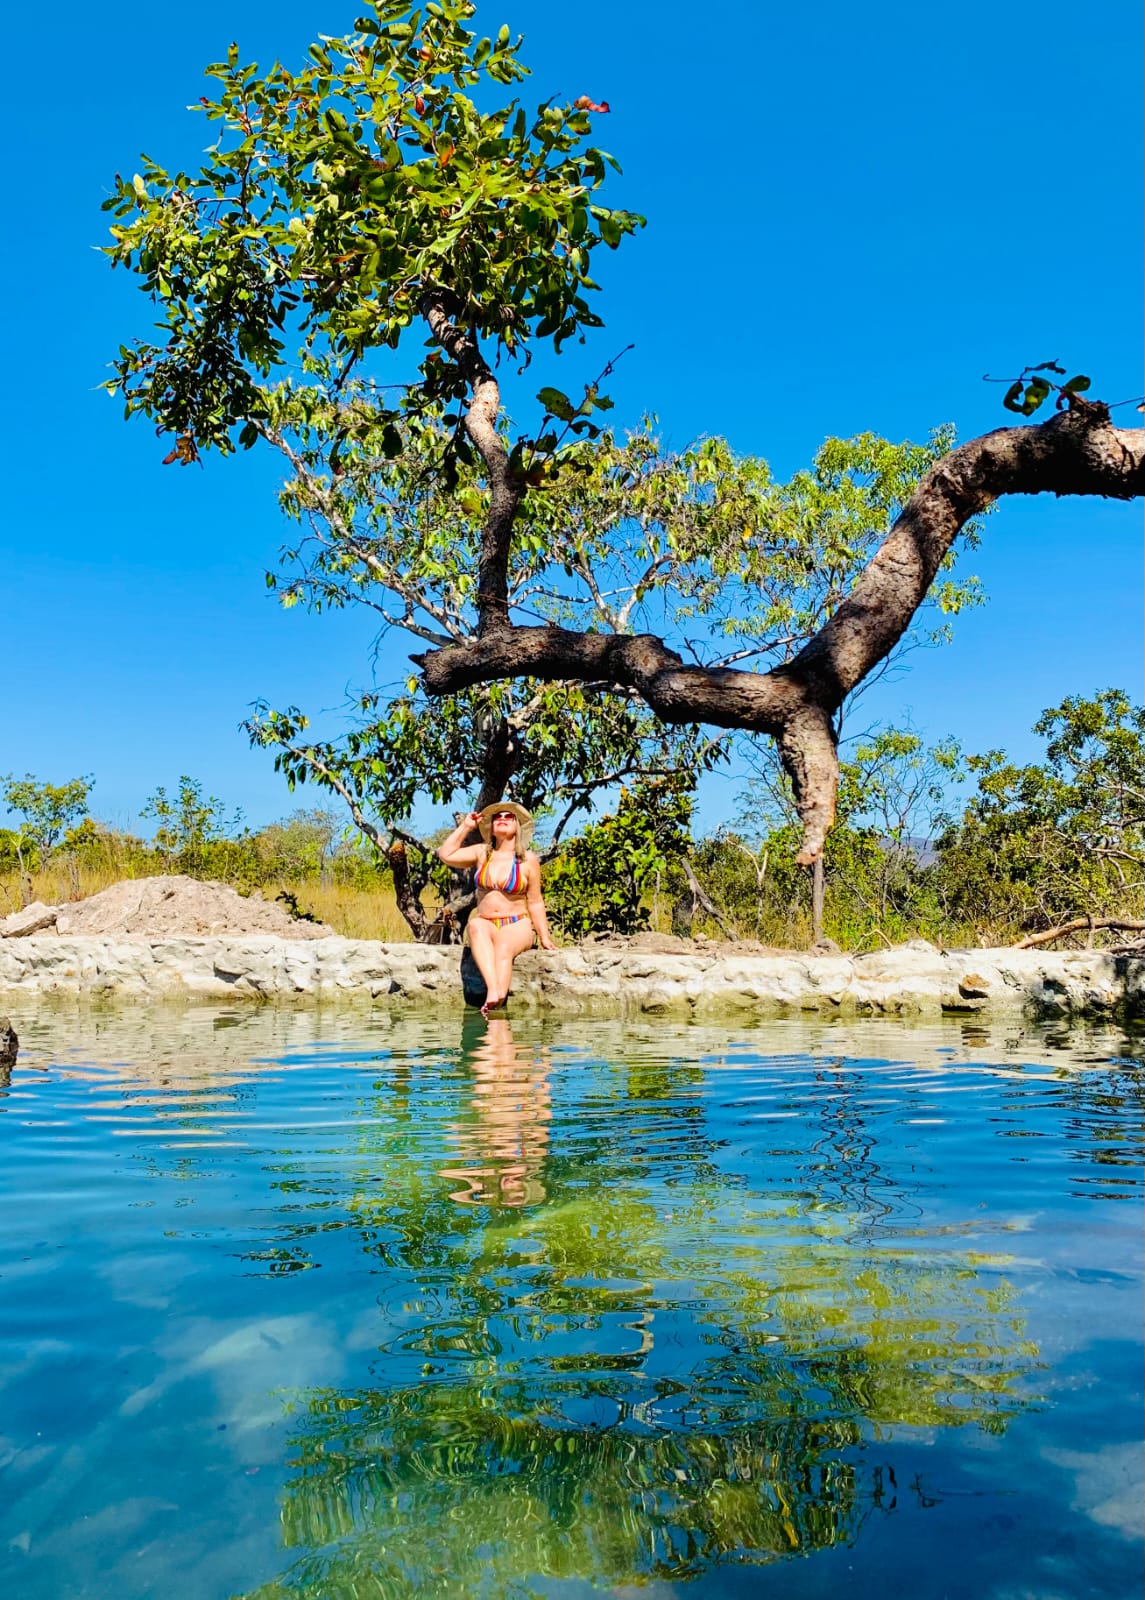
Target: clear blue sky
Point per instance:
(854, 213)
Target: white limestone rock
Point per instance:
(34, 918)
(582, 979)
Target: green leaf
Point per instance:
(1036, 391)
(1076, 385)
(557, 404)
(363, 216)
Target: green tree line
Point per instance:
(195, 833)
(930, 842)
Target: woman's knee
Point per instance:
(514, 941)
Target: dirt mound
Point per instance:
(164, 907)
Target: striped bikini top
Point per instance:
(514, 884)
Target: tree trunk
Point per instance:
(683, 909)
(702, 901)
(444, 310)
(409, 903)
(817, 900)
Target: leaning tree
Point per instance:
(702, 543)
(370, 200)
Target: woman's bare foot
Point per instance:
(492, 1001)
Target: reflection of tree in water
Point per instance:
(752, 1456)
(615, 1394)
(506, 1498)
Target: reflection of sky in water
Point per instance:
(331, 1304)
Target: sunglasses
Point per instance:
(504, 816)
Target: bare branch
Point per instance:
(604, 610)
(332, 780)
(624, 615)
(784, 643)
(701, 898)
(1075, 926)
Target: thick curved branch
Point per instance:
(442, 309)
(1078, 452)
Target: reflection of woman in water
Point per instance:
(510, 908)
(501, 1150)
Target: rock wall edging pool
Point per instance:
(911, 979)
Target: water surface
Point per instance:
(319, 1305)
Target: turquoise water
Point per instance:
(334, 1305)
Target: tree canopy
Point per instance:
(389, 185)
(1058, 841)
(703, 544)
(46, 810)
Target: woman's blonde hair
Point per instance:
(520, 849)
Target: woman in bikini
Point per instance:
(510, 909)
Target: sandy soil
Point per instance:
(163, 907)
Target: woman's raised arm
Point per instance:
(453, 852)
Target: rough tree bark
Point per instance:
(1078, 452)
(409, 903)
(442, 310)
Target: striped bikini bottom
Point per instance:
(503, 922)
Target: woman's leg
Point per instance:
(508, 943)
(481, 935)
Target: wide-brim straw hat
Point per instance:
(524, 821)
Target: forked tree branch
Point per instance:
(1078, 452)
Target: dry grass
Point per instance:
(373, 914)
(63, 881)
(356, 913)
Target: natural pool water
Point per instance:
(337, 1304)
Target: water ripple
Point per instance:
(334, 1305)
